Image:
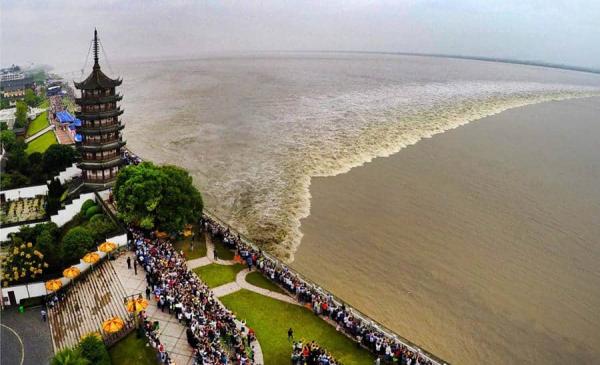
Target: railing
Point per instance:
(391, 335)
(338, 301)
(111, 339)
(99, 180)
(100, 159)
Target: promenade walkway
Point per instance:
(38, 134)
(240, 279)
(171, 333)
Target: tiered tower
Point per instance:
(99, 138)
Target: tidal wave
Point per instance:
(333, 134)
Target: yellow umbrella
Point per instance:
(187, 233)
(112, 325)
(107, 247)
(53, 285)
(136, 305)
(91, 258)
(71, 272)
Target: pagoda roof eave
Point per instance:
(97, 80)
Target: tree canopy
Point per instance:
(58, 157)
(76, 243)
(21, 114)
(31, 98)
(157, 197)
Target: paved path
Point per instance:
(209, 258)
(240, 280)
(172, 333)
(38, 134)
(241, 283)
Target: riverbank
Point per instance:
(488, 235)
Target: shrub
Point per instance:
(99, 226)
(76, 243)
(87, 204)
(69, 357)
(92, 211)
(48, 244)
(22, 264)
(93, 349)
(58, 157)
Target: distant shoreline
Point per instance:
(460, 57)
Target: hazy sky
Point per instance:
(58, 32)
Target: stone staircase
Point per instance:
(92, 299)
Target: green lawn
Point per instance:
(132, 350)
(41, 143)
(44, 104)
(215, 275)
(223, 252)
(37, 124)
(199, 247)
(257, 279)
(271, 318)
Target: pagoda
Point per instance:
(99, 139)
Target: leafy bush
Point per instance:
(76, 243)
(91, 211)
(100, 226)
(22, 264)
(69, 357)
(58, 157)
(93, 349)
(87, 204)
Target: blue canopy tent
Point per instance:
(65, 117)
(76, 123)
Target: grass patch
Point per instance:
(257, 279)
(44, 104)
(41, 143)
(38, 124)
(199, 247)
(271, 318)
(223, 252)
(215, 275)
(132, 350)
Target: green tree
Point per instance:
(69, 357)
(157, 197)
(13, 180)
(76, 243)
(93, 349)
(55, 191)
(4, 103)
(31, 98)
(21, 115)
(17, 159)
(100, 226)
(8, 139)
(58, 157)
(47, 242)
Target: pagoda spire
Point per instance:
(96, 64)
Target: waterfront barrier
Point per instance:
(371, 323)
(132, 158)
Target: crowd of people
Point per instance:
(311, 354)
(211, 328)
(386, 348)
(150, 329)
(130, 158)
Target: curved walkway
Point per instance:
(209, 258)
